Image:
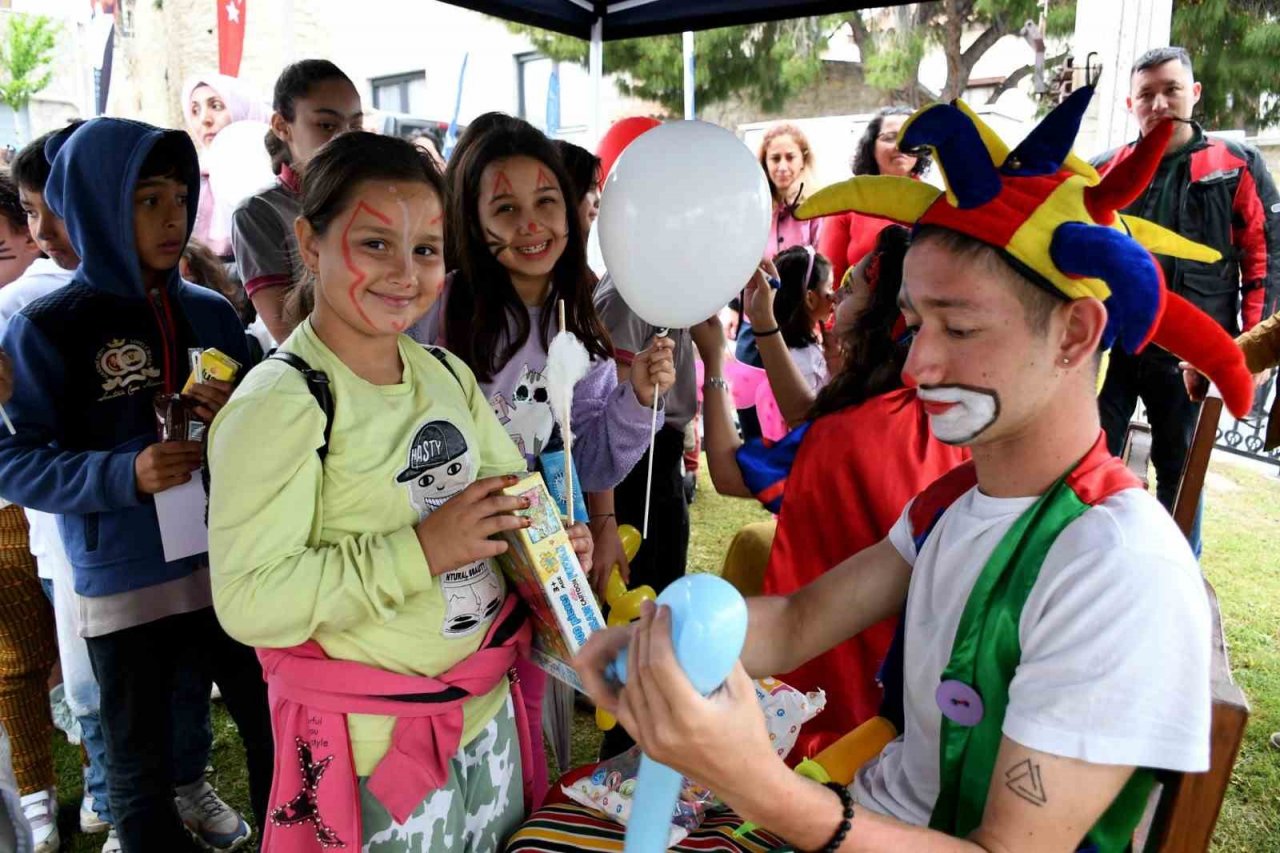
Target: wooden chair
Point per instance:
(1184, 808)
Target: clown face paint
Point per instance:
(381, 264)
(524, 216)
(958, 414)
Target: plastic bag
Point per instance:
(611, 787)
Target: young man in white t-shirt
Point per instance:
(1110, 672)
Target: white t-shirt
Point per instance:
(41, 278)
(812, 363)
(1114, 635)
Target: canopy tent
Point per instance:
(598, 21)
(624, 19)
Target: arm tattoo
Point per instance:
(1024, 780)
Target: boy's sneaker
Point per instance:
(112, 844)
(40, 810)
(213, 823)
(90, 823)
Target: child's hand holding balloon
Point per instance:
(654, 370)
(710, 739)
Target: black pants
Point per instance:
(1156, 378)
(136, 670)
(663, 554)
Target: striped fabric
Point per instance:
(572, 828)
(28, 650)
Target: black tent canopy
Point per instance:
(623, 19)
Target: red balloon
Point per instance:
(620, 135)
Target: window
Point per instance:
(400, 93)
(533, 90)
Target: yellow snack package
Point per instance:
(211, 364)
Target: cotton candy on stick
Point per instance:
(567, 363)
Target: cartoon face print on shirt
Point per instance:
(528, 417)
(439, 466)
(472, 596)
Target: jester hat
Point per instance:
(1056, 220)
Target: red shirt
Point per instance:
(854, 473)
(847, 238)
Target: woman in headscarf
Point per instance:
(210, 103)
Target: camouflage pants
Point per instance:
(480, 806)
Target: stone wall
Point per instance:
(172, 40)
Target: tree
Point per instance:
(892, 44)
(765, 63)
(1233, 44)
(26, 53)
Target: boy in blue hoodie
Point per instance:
(90, 360)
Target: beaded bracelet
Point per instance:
(846, 822)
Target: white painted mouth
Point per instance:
(971, 413)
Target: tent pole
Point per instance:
(596, 63)
(689, 84)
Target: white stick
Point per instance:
(568, 438)
(8, 423)
(653, 435)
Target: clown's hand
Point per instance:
(1196, 382)
(707, 739)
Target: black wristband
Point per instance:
(772, 331)
(846, 821)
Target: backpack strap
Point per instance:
(318, 385)
(438, 354)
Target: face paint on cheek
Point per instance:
(359, 274)
(495, 243)
(958, 414)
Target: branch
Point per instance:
(861, 36)
(984, 41)
(1018, 76)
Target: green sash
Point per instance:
(986, 653)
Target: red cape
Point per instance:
(853, 474)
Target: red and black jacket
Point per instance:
(1219, 193)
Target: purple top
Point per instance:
(610, 427)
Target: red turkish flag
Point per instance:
(230, 35)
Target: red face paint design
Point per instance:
(502, 185)
(359, 274)
(545, 181)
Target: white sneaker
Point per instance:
(213, 823)
(40, 810)
(90, 823)
(112, 844)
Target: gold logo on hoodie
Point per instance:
(126, 366)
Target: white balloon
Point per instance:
(239, 167)
(684, 218)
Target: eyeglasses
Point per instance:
(888, 138)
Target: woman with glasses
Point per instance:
(849, 237)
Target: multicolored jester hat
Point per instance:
(1057, 219)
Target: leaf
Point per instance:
(26, 54)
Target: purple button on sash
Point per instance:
(959, 703)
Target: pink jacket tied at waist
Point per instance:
(315, 797)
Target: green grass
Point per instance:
(1242, 532)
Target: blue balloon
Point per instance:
(708, 630)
